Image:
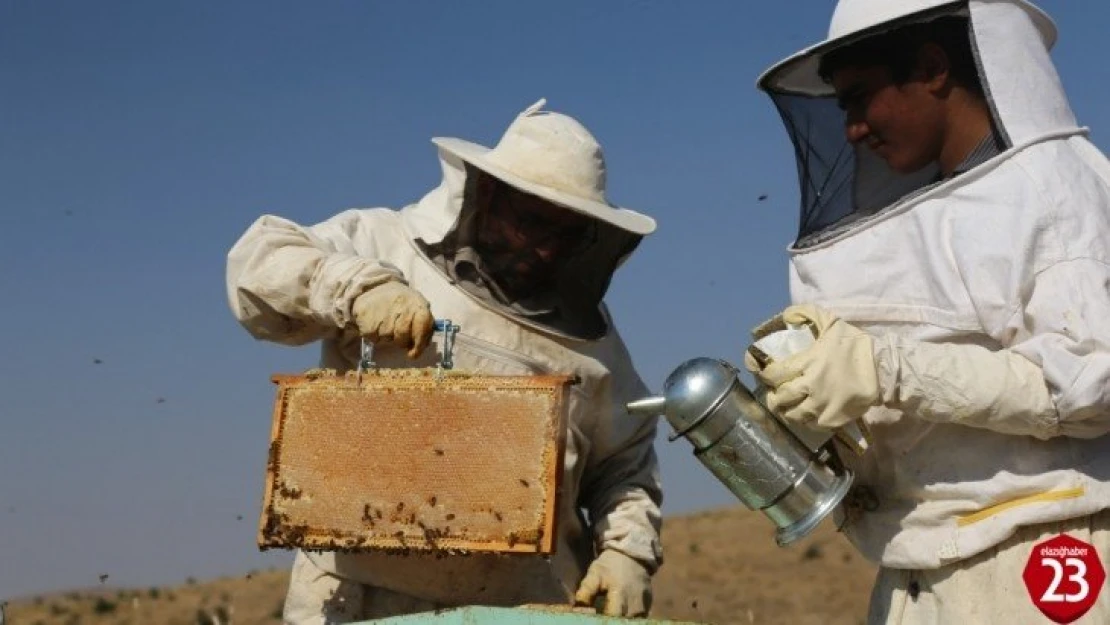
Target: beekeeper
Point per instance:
(954, 258)
(517, 245)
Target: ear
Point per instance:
(934, 67)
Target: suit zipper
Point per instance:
(496, 352)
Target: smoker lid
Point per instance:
(694, 389)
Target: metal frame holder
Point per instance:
(446, 361)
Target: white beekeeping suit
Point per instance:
(295, 284)
(986, 296)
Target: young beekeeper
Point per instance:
(517, 246)
(953, 257)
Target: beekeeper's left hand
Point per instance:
(829, 384)
(625, 583)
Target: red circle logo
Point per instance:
(1064, 577)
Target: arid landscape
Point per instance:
(722, 567)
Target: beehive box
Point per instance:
(538, 615)
(415, 459)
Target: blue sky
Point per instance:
(139, 139)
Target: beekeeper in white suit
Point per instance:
(517, 246)
(954, 258)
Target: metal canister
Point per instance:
(747, 448)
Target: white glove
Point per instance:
(394, 312)
(831, 383)
(624, 581)
(845, 372)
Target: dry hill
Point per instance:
(722, 567)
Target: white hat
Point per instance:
(554, 157)
(854, 20)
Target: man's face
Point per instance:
(523, 239)
(903, 124)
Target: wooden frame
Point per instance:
(415, 459)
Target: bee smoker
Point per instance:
(753, 453)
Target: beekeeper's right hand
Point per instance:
(625, 583)
(394, 312)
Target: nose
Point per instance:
(546, 250)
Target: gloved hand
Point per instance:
(831, 383)
(624, 581)
(395, 312)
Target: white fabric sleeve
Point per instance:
(966, 384)
(291, 284)
(1052, 379)
(621, 487)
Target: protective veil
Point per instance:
(294, 284)
(965, 283)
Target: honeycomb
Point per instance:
(415, 459)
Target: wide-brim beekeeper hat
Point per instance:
(854, 20)
(554, 157)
